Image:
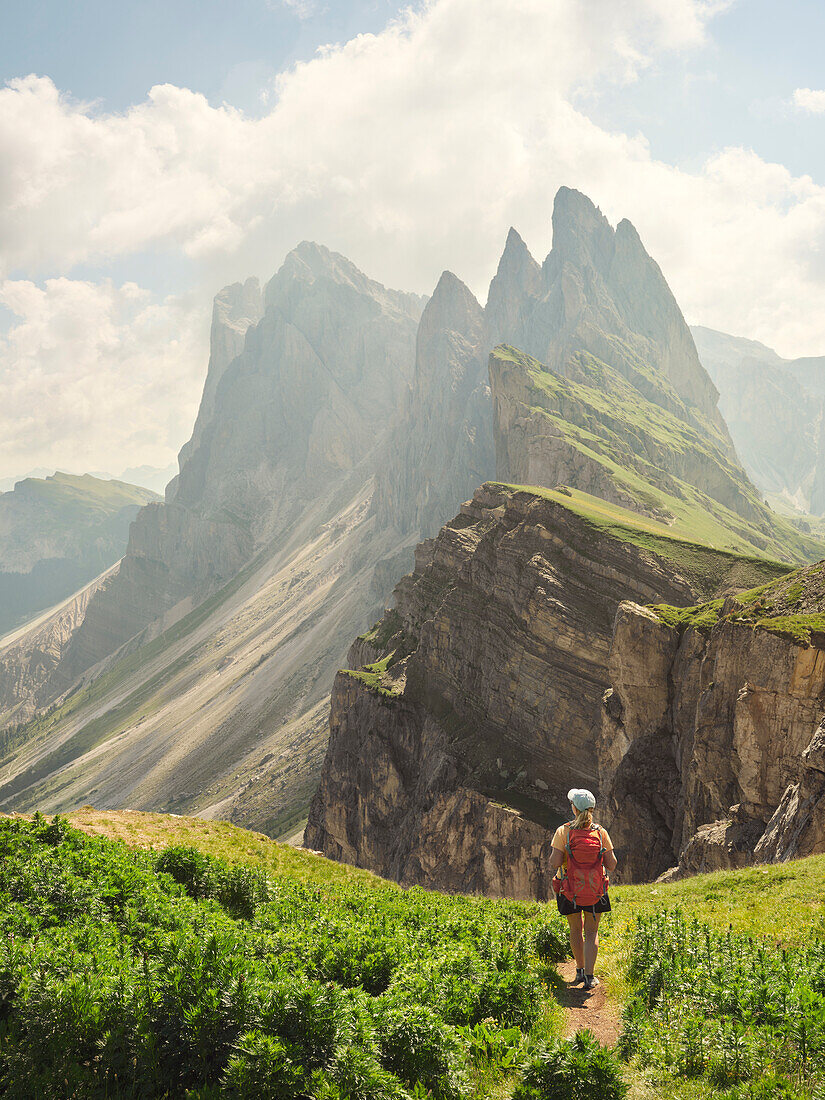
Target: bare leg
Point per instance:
(591, 940)
(576, 944)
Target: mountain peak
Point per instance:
(581, 232)
(516, 283)
(311, 261)
(451, 295)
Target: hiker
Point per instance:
(581, 854)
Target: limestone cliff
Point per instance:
(453, 746)
(289, 419)
(198, 676)
(711, 749)
(442, 446)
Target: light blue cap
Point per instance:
(581, 799)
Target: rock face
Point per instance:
(236, 309)
(30, 655)
(264, 542)
(773, 408)
(56, 534)
(450, 757)
(711, 749)
(442, 447)
(290, 418)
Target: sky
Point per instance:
(152, 152)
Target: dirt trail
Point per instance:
(587, 1010)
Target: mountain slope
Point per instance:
(773, 407)
(169, 691)
(601, 435)
(56, 534)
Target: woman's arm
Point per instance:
(556, 859)
(610, 861)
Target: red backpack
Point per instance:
(584, 882)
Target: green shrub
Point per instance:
(358, 1076)
(261, 1068)
(198, 874)
(576, 1069)
(552, 941)
(240, 890)
(417, 1047)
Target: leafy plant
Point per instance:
(576, 1069)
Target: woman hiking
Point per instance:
(581, 854)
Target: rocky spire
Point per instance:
(513, 291)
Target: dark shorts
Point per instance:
(567, 908)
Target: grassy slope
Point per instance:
(709, 566)
(783, 904)
(84, 495)
(747, 900)
(792, 606)
(610, 417)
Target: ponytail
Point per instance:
(584, 820)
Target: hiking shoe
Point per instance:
(579, 975)
(590, 981)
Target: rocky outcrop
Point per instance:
(56, 534)
(711, 751)
(480, 704)
(236, 309)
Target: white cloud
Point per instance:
(302, 8)
(810, 99)
(409, 151)
(96, 376)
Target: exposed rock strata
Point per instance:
(491, 702)
(711, 750)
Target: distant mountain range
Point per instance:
(56, 534)
(155, 478)
(774, 410)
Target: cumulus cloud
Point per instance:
(810, 99)
(92, 374)
(411, 151)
